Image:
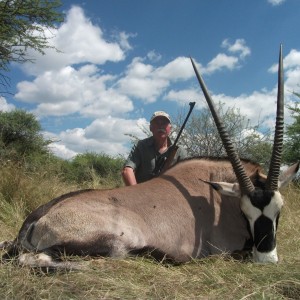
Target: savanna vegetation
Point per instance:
(31, 175)
(292, 142)
(28, 180)
(201, 137)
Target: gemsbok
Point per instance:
(199, 207)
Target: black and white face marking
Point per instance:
(262, 209)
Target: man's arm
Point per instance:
(128, 176)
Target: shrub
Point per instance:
(94, 169)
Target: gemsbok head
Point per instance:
(260, 204)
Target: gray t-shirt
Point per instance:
(143, 156)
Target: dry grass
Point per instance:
(21, 192)
(143, 278)
(138, 278)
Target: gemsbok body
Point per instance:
(199, 207)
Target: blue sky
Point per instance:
(121, 60)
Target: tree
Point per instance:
(292, 142)
(20, 136)
(89, 166)
(23, 26)
(201, 137)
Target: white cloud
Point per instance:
(89, 91)
(222, 61)
(263, 101)
(292, 82)
(259, 106)
(153, 56)
(122, 38)
(140, 82)
(290, 61)
(78, 41)
(4, 106)
(105, 135)
(144, 82)
(183, 96)
(113, 129)
(69, 91)
(61, 150)
(239, 47)
(276, 2)
(291, 64)
(71, 81)
(84, 42)
(178, 69)
(238, 51)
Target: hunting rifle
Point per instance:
(164, 161)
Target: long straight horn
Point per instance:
(274, 170)
(244, 181)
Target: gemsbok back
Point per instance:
(199, 207)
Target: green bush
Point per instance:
(20, 137)
(94, 169)
(22, 144)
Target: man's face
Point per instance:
(160, 127)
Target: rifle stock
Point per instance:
(169, 159)
(166, 159)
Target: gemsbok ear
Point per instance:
(225, 188)
(288, 175)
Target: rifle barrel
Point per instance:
(192, 104)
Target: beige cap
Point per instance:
(160, 114)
